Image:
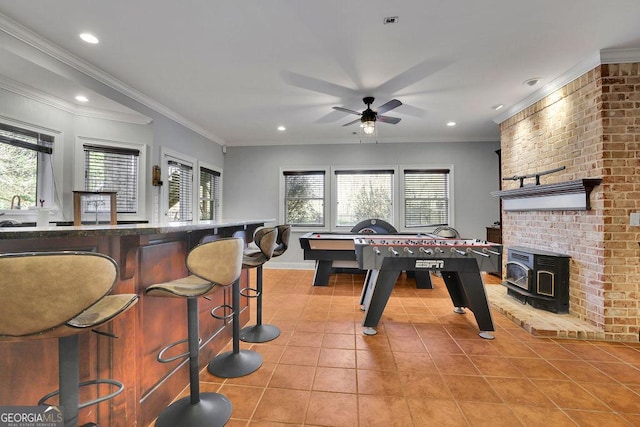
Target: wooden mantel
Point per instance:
(563, 196)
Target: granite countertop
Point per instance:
(120, 229)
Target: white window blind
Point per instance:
(304, 198)
(363, 194)
(209, 194)
(426, 198)
(113, 169)
(180, 178)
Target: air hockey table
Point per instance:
(327, 249)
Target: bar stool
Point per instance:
(446, 232)
(212, 264)
(238, 363)
(60, 295)
(259, 332)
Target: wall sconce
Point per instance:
(155, 176)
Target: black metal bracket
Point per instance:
(537, 176)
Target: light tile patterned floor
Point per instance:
(427, 366)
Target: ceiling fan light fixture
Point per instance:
(369, 127)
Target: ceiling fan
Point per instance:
(369, 117)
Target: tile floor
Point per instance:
(426, 366)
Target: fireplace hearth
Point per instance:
(538, 278)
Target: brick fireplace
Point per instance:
(591, 126)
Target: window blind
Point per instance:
(304, 198)
(209, 194)
(426, 197)
(24, 138)
(180, 188)
(364, 194)
(113, 169)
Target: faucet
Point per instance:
(13, 199)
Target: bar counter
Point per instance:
(146, 254)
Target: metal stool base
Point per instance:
(213, 410)
(259, 333)
(234, 365)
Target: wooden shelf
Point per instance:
(564, 196)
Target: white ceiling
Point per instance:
(235, 70)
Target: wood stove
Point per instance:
(538, 278)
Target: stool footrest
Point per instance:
(246, 292)
(222, 317)
(114, 383)
(162, 359)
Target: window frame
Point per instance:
(81, 141)
(373, 169)
(402, 211)
(205, 165)
(330, 194)
(326, 199)
(48, 176)
(167, 154)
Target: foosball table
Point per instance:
(459, 261)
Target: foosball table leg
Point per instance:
(487, 335)
(369, 331)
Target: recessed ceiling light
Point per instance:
(82, 98)
(532, 82)
(282, 128)
(89, 38)
(451, 124)
(498, 107)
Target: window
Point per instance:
(116, 169)
(26, 164)
(426, 197)
(363, 194)
(180, 191)
(209, 194)
(304, 204)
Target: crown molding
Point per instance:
(34, 40)
(570, 75)
(52, 101)
(605, 56)
(619, 56)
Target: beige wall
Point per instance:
(592, 127)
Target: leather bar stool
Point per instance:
(260, 332)
(238, 363)
(60, 295)
(213, 264)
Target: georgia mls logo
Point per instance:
(31, 416)
(431, 264)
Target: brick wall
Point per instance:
(592, 127)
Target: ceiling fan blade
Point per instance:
(346, 110)
(394, 103)
(317, 85)
(387, 119)
(353, 122)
